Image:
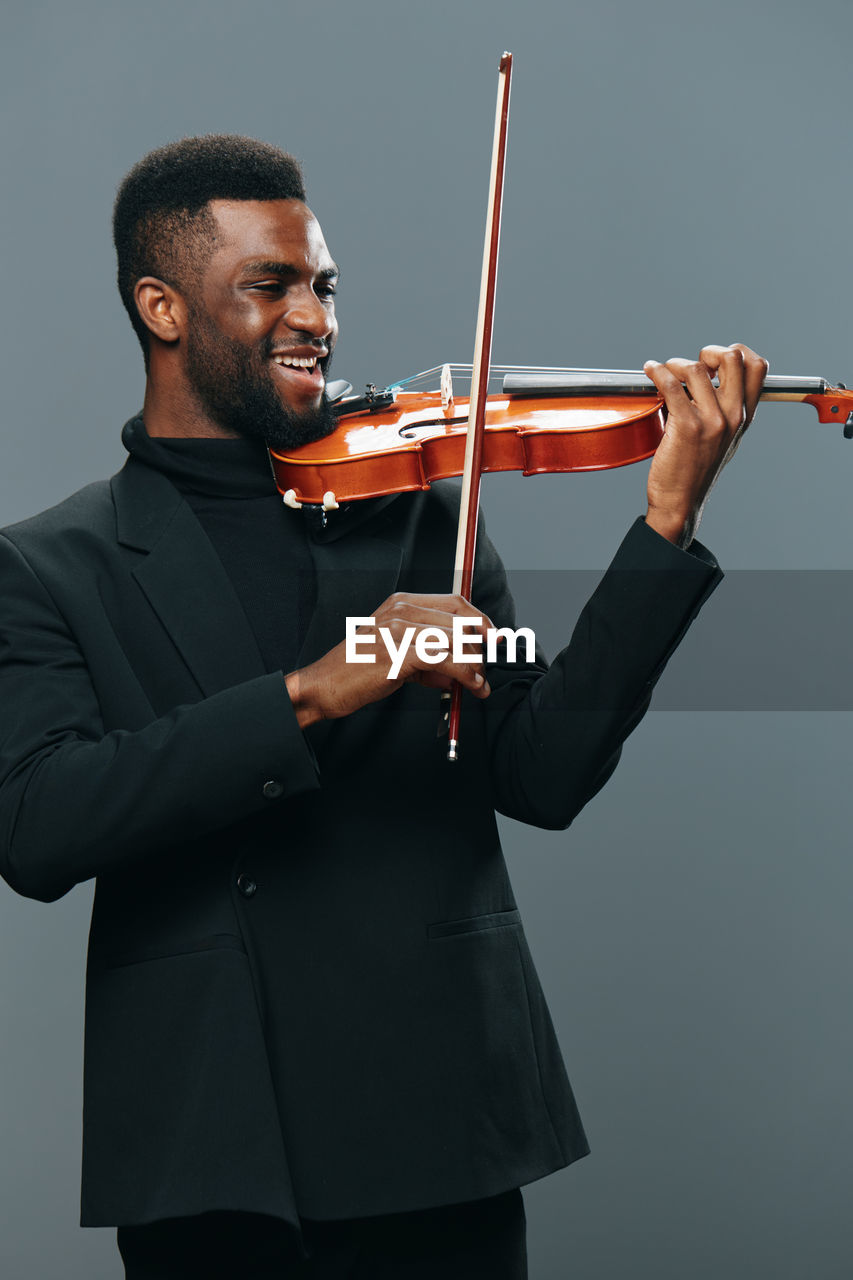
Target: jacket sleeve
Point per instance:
(75, 801)
(554, 734)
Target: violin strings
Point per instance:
(463, 370)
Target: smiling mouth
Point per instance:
(303, 375)
(297, 362)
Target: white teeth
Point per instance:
(297, 362)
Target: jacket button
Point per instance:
(246, 885)
(272, 789)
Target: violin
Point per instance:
(403, 437)
(399, 439)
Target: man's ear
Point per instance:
(161, 307)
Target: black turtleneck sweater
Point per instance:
(262, 543)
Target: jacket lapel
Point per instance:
(183, 580)
(187, 587)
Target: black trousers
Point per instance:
(483, 1238)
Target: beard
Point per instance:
(237, 390)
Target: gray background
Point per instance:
(678, 173)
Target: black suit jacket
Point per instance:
(308, 989)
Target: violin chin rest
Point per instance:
(337, 389)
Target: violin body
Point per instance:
(397, 441)
(415, 441)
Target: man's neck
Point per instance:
(171, 408)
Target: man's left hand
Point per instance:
(703, 428)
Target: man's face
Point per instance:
(262, 323)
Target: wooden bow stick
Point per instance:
(466, 542)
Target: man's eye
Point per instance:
(326, 290)
(267, 286)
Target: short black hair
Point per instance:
(161, 224)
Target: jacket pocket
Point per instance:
(474, 924)
(213, 942)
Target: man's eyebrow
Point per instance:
(272, 267)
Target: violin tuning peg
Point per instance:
(290, 500)
(848, 427)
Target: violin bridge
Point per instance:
(446, 387)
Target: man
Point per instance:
(315, 1041)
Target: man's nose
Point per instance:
(306, 314)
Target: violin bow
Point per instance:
(466, 539)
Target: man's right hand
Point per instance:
(331, 687)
